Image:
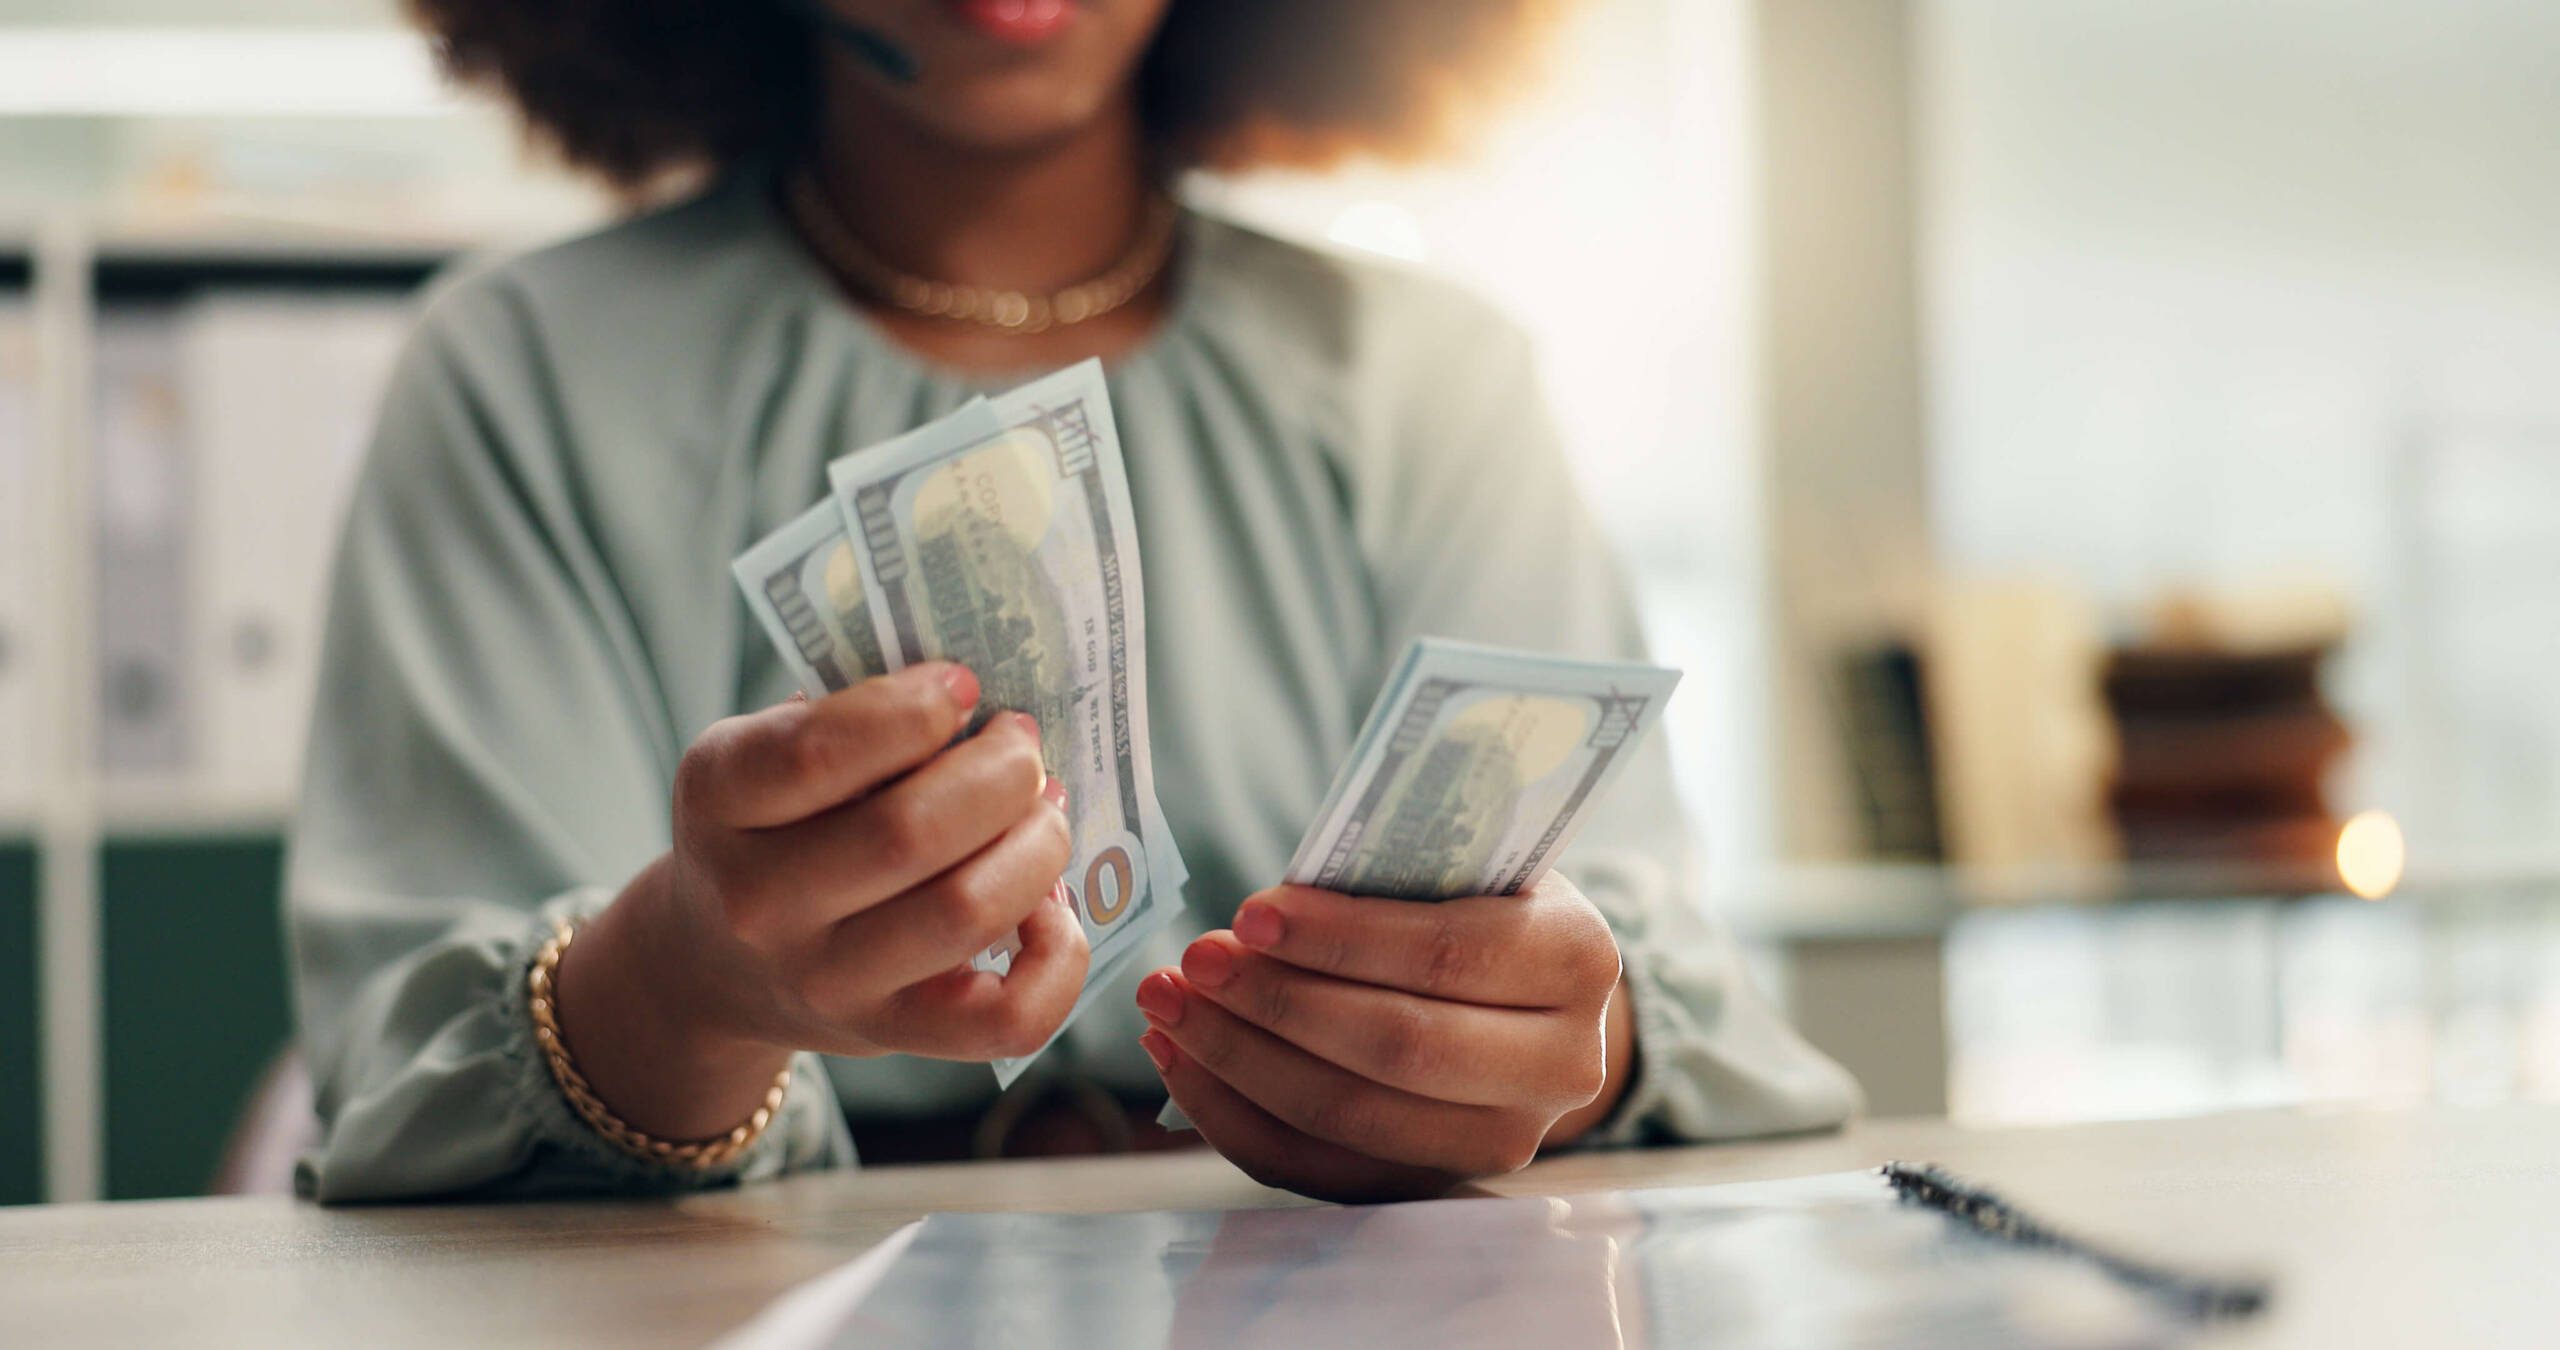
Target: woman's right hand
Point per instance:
(836, 865)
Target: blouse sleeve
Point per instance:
(1474, 530)
(489, 755)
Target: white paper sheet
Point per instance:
(1826, 1260)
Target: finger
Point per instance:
(1435, 1048)
(925, 824)
(978, 1015)
(795, 759)
(1326, 1100)
(962, 912)
(1545, 949)
(1272, 1152)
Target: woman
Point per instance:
(535, 649)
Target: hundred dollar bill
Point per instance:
(1475, 768)
(1014, 553)
(803, 583)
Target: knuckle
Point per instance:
(899, 707)
(1270, 998)
(1210, 1044)
(1598, 960)
(1405, 1050)
(744, 910)
(1037, 1029)
(1589, 1080)
(806, 754)
(1018, 1029)
(1333, 948)
(925, 713)
(815, 989)
(968, 910)
(1448, 960)
(695, 795)
(1509, 1151)
(1021, 766)
(1351, 1119)
(1058, 843)
(1584, 1074)
(900, 830)
(696, 840)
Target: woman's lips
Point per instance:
(1023, 23)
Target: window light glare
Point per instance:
(2371, 854)
(1380, 227)
(211, 72)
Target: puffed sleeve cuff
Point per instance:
(805, 1134)
(476, 1112)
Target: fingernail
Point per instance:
(1055, 792)
(962, 684)
(1058, 896)
(1159, 1047)
(798, 696)
(1208, 965)
(1027, 723)
(1258, 926)
(1159, 999)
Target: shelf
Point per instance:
(1851, 902)
(156, 813)
(131, 260)
(68, 265)
(121, 71)
(155, 810)
(125, 277)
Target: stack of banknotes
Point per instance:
(1476, 767)
(1000, 537)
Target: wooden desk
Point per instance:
(2431, 1227)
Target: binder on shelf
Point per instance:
(281, 391)
(146, 700)
(22, 748)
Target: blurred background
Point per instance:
(2098, 461)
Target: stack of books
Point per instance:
(2224, 756)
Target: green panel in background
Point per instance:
(196, 1002)
(21, 1111)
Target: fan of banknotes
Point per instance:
(1000, 537)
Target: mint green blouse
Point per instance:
(532, 616)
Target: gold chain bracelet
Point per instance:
(699, 1154)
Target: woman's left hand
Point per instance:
(1359, 1049)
